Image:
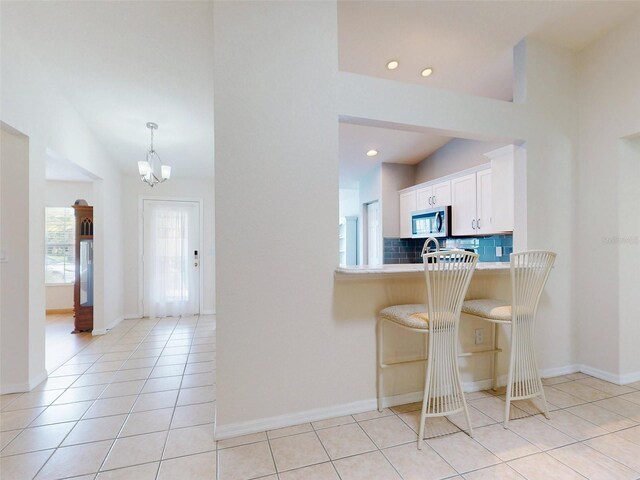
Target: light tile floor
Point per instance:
(60, 343)
(139, 403)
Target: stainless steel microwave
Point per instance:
(435, 222)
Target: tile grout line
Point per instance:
(76, 423)
(166, 440)
(139, 343)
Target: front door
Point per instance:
(171, 277)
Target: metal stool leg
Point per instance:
(379, 334)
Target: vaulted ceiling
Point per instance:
(122, 64)
(469, 45)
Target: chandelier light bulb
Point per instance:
(147, 169)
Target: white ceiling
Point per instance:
(468, 43)
(122, 64)
(393, 146)
(59, 168)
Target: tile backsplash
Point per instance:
(408, 250)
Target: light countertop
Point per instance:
(366, 271)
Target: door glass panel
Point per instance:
(86, 273)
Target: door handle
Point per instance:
(478, 223)
(429, 200)
(434, 200)
(195, 264)
(473, 224)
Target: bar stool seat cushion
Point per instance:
(488, 308)
(410, 315)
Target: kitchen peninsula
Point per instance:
(360, 292)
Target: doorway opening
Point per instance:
(170, 263)
(65, 183)
(372, 233)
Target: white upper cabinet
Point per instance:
(503, 181)
(482, 199)
(424, 198)
(442, 194)
(463, 205)
(471, 206)
(432, 196)
(484, 204)
(408, 204)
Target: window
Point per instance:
(60, 245)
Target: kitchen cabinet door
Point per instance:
(407, 207)
(484, 202)
(442, 194)
(424, 198)
(503, 186)
(463, 205)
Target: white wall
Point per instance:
(291, 342)
(394, 177)
(276, 142)
(348, 202)
(608, 224)
(196, 189)
(14, 266)
(33, 105)
(64, 194)
(455, 156)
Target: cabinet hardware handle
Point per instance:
(434, 200)
(429, 200)
(473, 224)
(478, 223)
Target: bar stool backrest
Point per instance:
(529, 273)
(447, 276)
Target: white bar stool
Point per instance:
(447, 277)
(529, 273)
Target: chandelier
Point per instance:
(148, 168)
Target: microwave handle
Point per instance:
(438, 222)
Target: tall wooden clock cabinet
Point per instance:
(83, 288)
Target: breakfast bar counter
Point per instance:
(365, 271)
(360, 292)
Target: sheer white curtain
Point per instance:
(170, 284)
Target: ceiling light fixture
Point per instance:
(372, 153)
(147, 168)
(426, 72)
(393, 64)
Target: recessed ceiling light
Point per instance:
(372, 153)
(426, 72)
(393, 64)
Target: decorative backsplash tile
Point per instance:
(408, 250)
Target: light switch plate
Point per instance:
(498, 251)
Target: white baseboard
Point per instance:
(618, 379)
(208, 312)
(37, 379)
(132, 316)
(102, 331)
(281, 421)
(26, 386)
(557, 371)
(629, 378)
